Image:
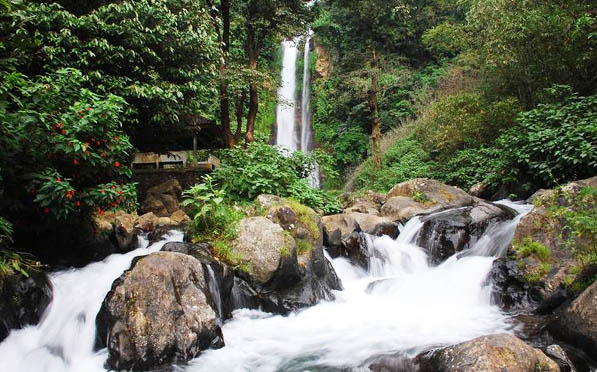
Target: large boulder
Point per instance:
(422, 195)
(494, 353)
(163, 199)
(541, 269)
(445, 233)
(159, 312)
(264, 247)
(23, 300)
(283, 267)
(577, 322)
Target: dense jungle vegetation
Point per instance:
(498, 94)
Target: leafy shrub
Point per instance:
(405, 160)
(62, 152)
(263, 169)
(214, 220)
(467, 167)
(464, 120)
(579, 214)
(553, 143)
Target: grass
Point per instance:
(528, 247)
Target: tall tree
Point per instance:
(264, 18)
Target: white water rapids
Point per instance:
(410, 307)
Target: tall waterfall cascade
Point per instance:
(288, 124)
(400, 304)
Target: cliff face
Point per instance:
(323, 66)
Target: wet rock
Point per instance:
(543, 277)
(422, 195)
(159, 312)
(163, 199)
(120, 226)
(23, 301)
(336, 228)
(494, 353)
(177, 247)
(557, 354)
(343, 234)
(284, 268)
(577, 322)
(451, 231)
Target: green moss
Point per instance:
(225, 252)
(285, 251)
(303, 246)
(307, 217)
(528, 247)
(536, 274)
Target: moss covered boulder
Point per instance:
(281, 265)
(551, 257)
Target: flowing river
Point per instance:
(400, 305)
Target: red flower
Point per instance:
(98, 143)
(46, 210)
(60, 124)
(117, 164)
(116, 138)
(63, 132)
(87, 152)
(75, 162)
(70, 144)
(88, 108)
(58, 180)
(78, 203)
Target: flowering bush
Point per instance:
(63, 152)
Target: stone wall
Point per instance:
(151, 177)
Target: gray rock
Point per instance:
(159, 312)
(23, 301)
(445, 233)
(577, 322)
(163, 199)
(494, 353)
(262, 243)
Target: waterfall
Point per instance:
(286, 110)
(306, 99)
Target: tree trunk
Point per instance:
(253, 92)
(376, 128)
(224, 97)
(240, 107)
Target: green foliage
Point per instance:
(160, 56)
(553, 143)
(445, 39)
(213, 220)
(404, 160)
(529, 247)
(63, 152)
(263, 169)
(525, 46)
(578, 212)
(464, 120)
